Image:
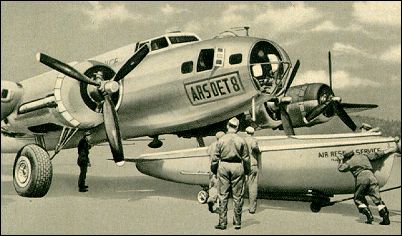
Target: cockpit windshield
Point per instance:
(269, 67)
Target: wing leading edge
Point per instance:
(354, 107)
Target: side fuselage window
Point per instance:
(4, 93)
(235, 59)
(187, 67)
(205, 60)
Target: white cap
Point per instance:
(250, 130)
(234, 122)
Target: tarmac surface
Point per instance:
(121, 200)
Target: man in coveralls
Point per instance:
(255, 161)
(83, 161)
(233, 162)
(213, 179)
(365, 181)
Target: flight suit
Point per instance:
(213, 182)
(234, 163)
(366, 184)
(83, 162)
(255, 162)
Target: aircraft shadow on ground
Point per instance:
(132, 188)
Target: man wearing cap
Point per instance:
(83, 161)
(234, 164)
(365, 127)
(368, 128)
(365, 181)
(255, 161)
(213, 179)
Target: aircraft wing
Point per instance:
(354, 107)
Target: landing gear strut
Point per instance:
(32, 171)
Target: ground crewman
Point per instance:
(83, 162)
(365, 181)
(213, 179)
(234, 162)
(255, 161)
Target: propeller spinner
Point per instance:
(330, 101)
(106, 88)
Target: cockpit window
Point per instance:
(267, 67)
(205, 60)
(159, 43)
(139, 45)
(182, 39)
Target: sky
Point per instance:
(364, 37)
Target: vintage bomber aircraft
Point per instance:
(299, 167)
(172, 84)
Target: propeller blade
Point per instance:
(353, 107)
(286, 121)
(344, 116)
(330, 69)
(64, 68)
(113, 130)
(132, 63)
(292, 75)
(316, 111)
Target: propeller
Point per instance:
(286, 121)
(281, 103)
(330, 100)
(292, 76)
(106, 88)
(64, 68)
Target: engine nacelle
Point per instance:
(59, 100)
(11, 93)
(304, 99)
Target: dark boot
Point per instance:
(221, 227)
(211, 207)
(366, 211)
(384, 213)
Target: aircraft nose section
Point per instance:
(151, 168)
(269, 66)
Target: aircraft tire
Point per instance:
(32, 172)
(202, 196)
(315, 207)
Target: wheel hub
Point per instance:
(23, 171)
